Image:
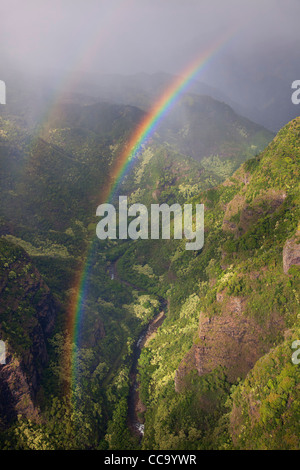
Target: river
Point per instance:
(135, 405)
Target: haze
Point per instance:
(129, 36)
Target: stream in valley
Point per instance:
(135, 405)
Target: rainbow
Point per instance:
(139, 137)
(81, 59)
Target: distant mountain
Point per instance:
(141, 89)
(261, 94)
(258, 80)
(201, 127)
(197, 126)
(257, 86)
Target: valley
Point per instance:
(140, 343)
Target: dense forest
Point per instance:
(217, 325)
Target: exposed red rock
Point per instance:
(231, 340)
(291, 252)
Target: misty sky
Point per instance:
(129, 36)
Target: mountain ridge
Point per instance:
(250, 221)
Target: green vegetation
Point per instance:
(50, 188)
(244, 263)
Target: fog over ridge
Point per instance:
(67, 41)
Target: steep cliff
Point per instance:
(233, 308)
(291, 252)
(27, 318)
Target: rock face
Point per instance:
(239, 216)
(291, 252)
(27, 306)
(16, 392)
(231, 340)
(97, 333)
